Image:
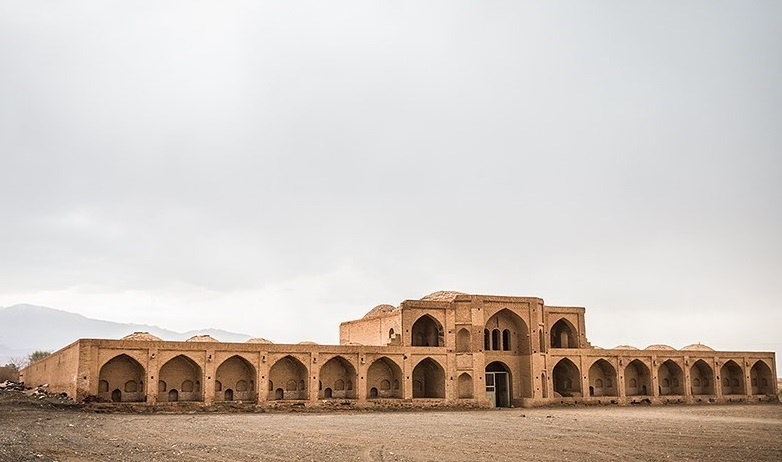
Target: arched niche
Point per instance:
(463, 341)
(465, 386)
(428, 379)
(340, 376)
(288, 379)
(761, 378)
(183, 375)
(567, 379)
(122, 379)
(670, 379)
(427, 331)
(732, 378)
(602, 379)
(701, 378)
(563, 334)
(385, 376)
(506, 331)
(237, 375)
(637, 379)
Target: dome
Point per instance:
(202, 338)
(442, 296)
(142, 336)
(379, 310)
(307, 342)
(258, 340)
(697, 347)
(660, 347)
(625, 347)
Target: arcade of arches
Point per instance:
(447, 348)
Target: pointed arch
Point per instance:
(465, 386)
(701, 378)
(181, 370)
(122, 372)
(334, 374)
(761, 378)
(732, 376)
(236, 373)
(509, 332)
(602, 379)
(567, 378)
(670, 379)
(292, 375)
(637, 379)
(427, 331)
(428, 379)
(381, 375)
(463, 341)
(564, 334)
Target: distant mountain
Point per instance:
(26, 328)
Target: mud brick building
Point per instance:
(446, 349)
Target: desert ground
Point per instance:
(51, 430)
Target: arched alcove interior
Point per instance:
(125, 375)
(238, 375)
(602, 379)
(288, 377)
(385, 376)
(338, 375)
(183, 375)
(427, 331)
(563, 334)
(428, 379)
(567, 379)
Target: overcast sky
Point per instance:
(275, 168)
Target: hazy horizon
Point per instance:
(277, 168)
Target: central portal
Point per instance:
(498, 384)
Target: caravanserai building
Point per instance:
(446, 349)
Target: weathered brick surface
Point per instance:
(445, 350)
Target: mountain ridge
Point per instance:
(25, 328)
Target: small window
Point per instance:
(495, 339)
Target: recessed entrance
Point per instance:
(498, 384)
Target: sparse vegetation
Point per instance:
(37, 355)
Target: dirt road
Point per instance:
(31, 432)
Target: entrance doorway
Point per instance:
(498, 384)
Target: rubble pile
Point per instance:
(10, 385)
(11, 391)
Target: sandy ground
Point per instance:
(39, 431)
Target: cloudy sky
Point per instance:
(275, 168)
